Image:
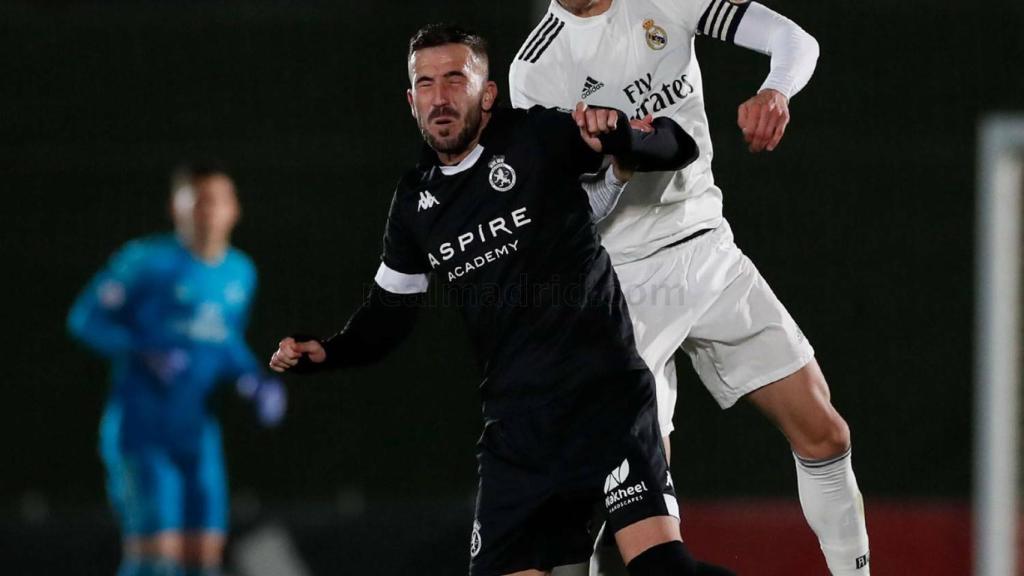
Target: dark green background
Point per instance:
(862, 222)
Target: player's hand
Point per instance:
(593, 122)
(167, 365)
(267, 394)
(763, 120)
(289, 351)
(623, 172)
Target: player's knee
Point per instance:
(668, 559)
(829, 438)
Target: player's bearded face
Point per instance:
(447, 96)
(448, 131)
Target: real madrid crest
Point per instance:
(502, 176)
(656, 36)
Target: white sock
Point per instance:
(835, 511)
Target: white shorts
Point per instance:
(706, 297)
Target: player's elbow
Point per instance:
(809, 47)
(75, 322)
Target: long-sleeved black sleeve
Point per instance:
(666, 149)
(376, 328)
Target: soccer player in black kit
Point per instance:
(495, 211)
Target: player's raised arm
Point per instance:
(794, 53)
(663, 147)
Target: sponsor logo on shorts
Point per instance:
(619, 494)
(475, 541)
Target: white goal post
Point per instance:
(998, 344)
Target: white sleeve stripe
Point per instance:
(727, 21)
(399, 283)
(721, 18)
(716, 29)
(711, 16)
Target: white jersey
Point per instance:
(637, 57)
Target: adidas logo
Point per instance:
(426, 202)
(591, 86)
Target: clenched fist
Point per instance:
(763, 120)
(289, 351)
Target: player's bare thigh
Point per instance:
(801, 406)
(204, 549)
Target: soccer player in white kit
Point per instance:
(687, 283)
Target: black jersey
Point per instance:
(508, 232)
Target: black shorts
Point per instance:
(550, 477)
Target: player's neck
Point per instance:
(453, 159)
(209, 250)
(595, 9)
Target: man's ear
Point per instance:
(412, 106)
(490, 95)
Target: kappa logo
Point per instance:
(590, 86)
(617, 477)
(475, 542)
(427, 201)
(502, 176)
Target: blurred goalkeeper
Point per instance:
(170, 311)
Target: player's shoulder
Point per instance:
(139, 251)
(238, 261)
(546, 43)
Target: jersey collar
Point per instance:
(465, 164)
(578, 22)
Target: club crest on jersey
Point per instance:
(502, 176)
(656, 36)
(475, 542)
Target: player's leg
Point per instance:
(641, 507)
(206, 506)
(663, 306)
(150, 515)
(800, 406)
(760, 353)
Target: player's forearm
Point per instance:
(666, 148)
(794, 52)
(383, 321)
(101, 334)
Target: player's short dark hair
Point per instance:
(188, 172)
(439, 34)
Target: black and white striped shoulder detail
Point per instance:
(722, 18)
(541, 38)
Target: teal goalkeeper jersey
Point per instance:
(173, 327)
